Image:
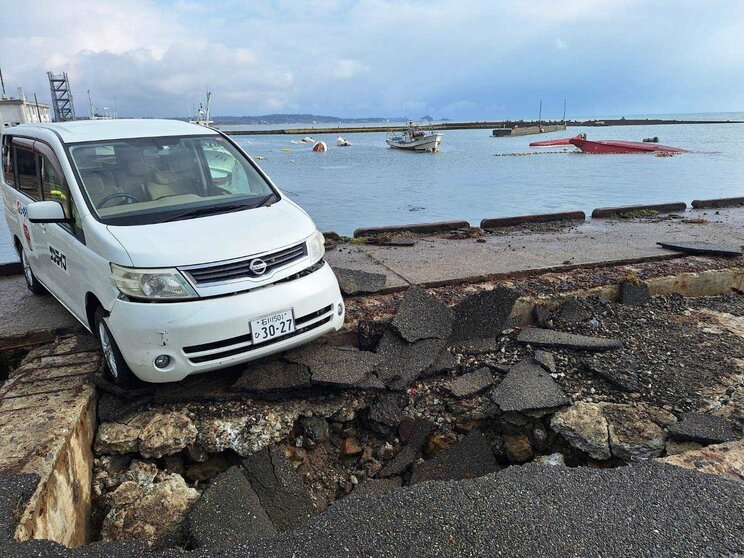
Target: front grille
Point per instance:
(240, 269)
(244, 340)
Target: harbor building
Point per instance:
(20, 110)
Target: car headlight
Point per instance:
(316, 246)
(151, 284)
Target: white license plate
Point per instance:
(270, 327)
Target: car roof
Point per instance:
(95, 130)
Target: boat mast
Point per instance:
(2, 83)
(565, 101)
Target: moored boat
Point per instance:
(341, 142)
(415, 139)
(609, 146)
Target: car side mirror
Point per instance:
(46, 212)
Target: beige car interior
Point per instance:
(135, 177)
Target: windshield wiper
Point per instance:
(211, 210)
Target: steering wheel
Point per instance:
(115, 195)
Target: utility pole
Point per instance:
(565, 101)
(38, 110)
(2, 83)
(539, 118)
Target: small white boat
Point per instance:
(307, 139)
(320, 147)
(415, 139)
(341, 142)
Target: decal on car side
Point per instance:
(58, 258)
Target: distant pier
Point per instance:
(522, 125)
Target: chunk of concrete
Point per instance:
(403, 362)
(344, 366)
(353, 281)
(166, 434)
(468, 459)
(637, 431)
(483, 315)
(280, 488)
(116, 438)
(706, 248)
(421, 316)
(528, 388)
(549, 338)
(584, 426)
(411, 451)
(228, 513)
(269, 376)
(470, 383)
(149, 511)
(726, 460)
(702, 428)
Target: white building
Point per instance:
(19, 110)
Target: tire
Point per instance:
(28, 274)
(115, 368)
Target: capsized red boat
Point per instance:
(609, 146)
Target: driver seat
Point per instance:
(98, 187)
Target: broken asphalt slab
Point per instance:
(403, 362)
(228, 512)
(528, 388)
(268, 376)
(411, 451)
(483, 315)
(339, 366)
(421, 316)
(550, 338)
(705, 429)
(470, 458)
(353, 281)
(280, 488)
(470, 383)
(703, 248)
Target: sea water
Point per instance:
(476, 176)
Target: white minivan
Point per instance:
(168, 242)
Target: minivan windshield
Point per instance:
(153, 180)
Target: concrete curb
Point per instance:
(13, 268)
(539, 218)
(420, 228)
(720, 202)
(604, 212)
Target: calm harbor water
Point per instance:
(369, 184)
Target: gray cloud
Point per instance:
(465, 59)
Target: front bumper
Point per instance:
(208, 334)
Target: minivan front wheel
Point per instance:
(115, 368)
(33, 285)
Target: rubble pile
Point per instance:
(438, 393)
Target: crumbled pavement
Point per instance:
(703, 248)
(541, 337)
(354, 282)
(528, 388)
(704, 429)
(421, 316)
(470, 458)
(483, 315)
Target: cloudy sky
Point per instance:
(460, 59)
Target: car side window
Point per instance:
(53, 185)
(54, 188)
(7, 162)
(28, 177)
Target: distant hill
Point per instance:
(299, 119)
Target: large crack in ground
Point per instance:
(680, 360)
